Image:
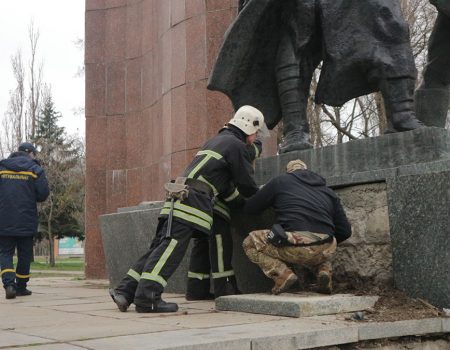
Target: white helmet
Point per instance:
(249, 119)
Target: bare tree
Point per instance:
(365, 116)
(35, 82)
(19, 120)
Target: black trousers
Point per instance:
(211, 257)
(151, 271)
(21, 275)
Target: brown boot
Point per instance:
(284, 281)
(324, 282)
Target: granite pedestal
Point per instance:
(363, 173)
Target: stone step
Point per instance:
(295, 304)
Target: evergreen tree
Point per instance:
(63, 163)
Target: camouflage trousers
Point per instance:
(272, 260)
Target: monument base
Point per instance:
(396, 193)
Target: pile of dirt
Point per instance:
(395, 305)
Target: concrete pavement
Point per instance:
(68, 313)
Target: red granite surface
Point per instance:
(147, 106)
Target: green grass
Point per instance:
(62, 264)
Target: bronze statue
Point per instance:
(432, 97)
(273, 47)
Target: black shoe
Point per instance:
(193, 297)
(156, 304)
(10, 292)
(23, 292)
(121, 302)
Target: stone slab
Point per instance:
(399, 329)
(58, 346)
(9, 338)
(419, 216)
(446, 325)
(364, 160)
(295, 305)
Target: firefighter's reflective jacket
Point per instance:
(22, 184)
(224, 163)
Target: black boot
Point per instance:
(10, 292)
(398, 97)
(225, 286)
(120, 300)
(198, 289)
(156, 305)
(23, 292)
(432, 106)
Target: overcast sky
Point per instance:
(60, 24)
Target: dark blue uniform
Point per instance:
(22, 184)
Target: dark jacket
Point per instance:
(22, 184)
(302, 202)
(224, 164)
(360, 42)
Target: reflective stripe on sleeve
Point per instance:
(232, 196)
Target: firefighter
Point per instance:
(222, 163)
(211, 256)
(22, 184)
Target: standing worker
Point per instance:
(310, 221)
(211, 256)
(22, 184)
(221, 164)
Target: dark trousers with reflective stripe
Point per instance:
(212, 256)
(21, 275)
(152, 270)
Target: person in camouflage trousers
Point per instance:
(313, 220)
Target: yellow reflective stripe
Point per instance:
(155, 278)
(232, 196)
(256, 150)
(188, 217)
(191, 210)
(162, 260)
(22, 276)
(223, 211)
(223, 274)
(219, 253)
(199, 166)
(7, 270)
(199, 276)
(10, 172)
(201, 178)
(210, 153)
(134, 274)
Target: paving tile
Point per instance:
(94, 327)
(9, 338)
(399, 328)
(213, 320)
(186, 340)
(295, 305)
(59, 346)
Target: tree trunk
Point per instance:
(50, 234)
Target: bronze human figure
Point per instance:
(273, 47)
(432, 97)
